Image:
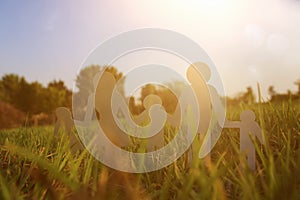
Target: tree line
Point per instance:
(22, 101)
(33, 98)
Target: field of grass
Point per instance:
(36, 165)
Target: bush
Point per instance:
(41, 119)
(10, 117)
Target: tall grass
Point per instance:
(36, 165)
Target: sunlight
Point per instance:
(214, 7)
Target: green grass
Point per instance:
(36, 165)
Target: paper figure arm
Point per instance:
(139, 119)
(232, 124)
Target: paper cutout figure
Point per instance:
(213, 108)
(200, 88)
(64, 118)
(204, 104)
(154, 116)
(108, 102)
(103, 97)
(156, 141)
(106, 96)
(247, 126)
(174, 119)
(90, 113)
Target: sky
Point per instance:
(250, 41)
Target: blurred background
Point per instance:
(44, 43)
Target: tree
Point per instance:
(114, 71)
(146, 90)
(298, 84)
(168, 98)
(29, 97)
(85, 84)
(249, 96)
(2, 94)
(271, 91)
(176, 86)
(19, 93)
(10, 87)
(289, 94)
(85, 78)
(60, 86)
(53, 98)
(10, 117)
(33, 98)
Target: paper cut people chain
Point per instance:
(209, 104)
